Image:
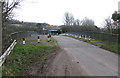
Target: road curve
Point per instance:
(93, 60)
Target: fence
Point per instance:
(15, 36)
(103, 37)
(20, 35)
(6, 41)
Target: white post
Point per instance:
(85, 37)
(23, 41)
(80, 36)
(48, 38)
(38, 39)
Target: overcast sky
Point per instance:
(52, 11)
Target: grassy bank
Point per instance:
(21, 61)
(112, 47)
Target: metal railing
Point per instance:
(15, 36)
(7, 52)
(6, 41)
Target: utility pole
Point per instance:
(1, 4)
(1, 28)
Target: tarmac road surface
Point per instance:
(82, 59)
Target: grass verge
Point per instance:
(112, 47)
(23, 57)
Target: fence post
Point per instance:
(1, 23)
(1, 28)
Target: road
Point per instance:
(82, 59)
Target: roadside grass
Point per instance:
(112, 47)
(19, 62)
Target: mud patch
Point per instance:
(61, 65)
(47, 63)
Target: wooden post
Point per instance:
(0, 28)
(1, 34)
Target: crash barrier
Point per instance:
(7, 52)
(104, 37)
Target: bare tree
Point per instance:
(108, 24)
(77, 22)
(7, 14)
(8, 7)
(68, 19)
(87, 22)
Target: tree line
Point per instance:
(76, 25)
(111, 24)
